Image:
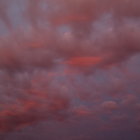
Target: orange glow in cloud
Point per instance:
(82, 112)
(70, 18)
(84, 61)
(35, 45)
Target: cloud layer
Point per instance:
(73, 65)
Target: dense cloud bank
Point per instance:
(73, 65)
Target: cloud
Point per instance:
(18, 116)
(72, 64)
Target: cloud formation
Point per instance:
(70, 64)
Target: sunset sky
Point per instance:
(69, 69)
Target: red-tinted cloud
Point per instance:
(73, 64)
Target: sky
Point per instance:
(69, 70)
